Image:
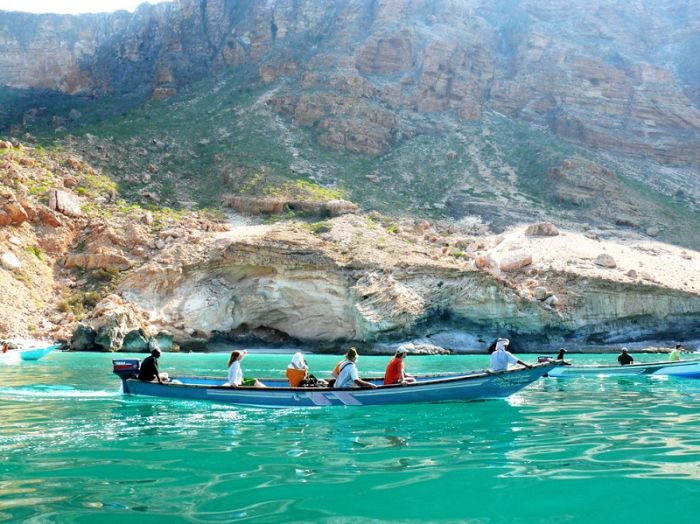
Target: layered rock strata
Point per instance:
(288, 280)
(365, 75)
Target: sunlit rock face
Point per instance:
(609, 74)
(289, 282)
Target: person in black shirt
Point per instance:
(625, 358)
(149, 368)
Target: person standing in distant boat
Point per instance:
(5, 347)
(625, 358)
(501, 358)
(675, 354)
(148, 372)
(395, 373)
(560, 356)
(235, 373)
(348, 376)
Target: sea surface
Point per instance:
(74, 449)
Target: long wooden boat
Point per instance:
(472, 385)
(678, 368)
(28, 353)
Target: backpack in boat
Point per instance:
(309, 382)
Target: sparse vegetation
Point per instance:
(318, 228)
(36, 251)
(78, 303)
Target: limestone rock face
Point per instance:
(64, 203)
(112, 320)
(288, 282)
(83, 338)
(269, 206)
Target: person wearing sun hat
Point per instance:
(501, 359)
(625, 358)
(395, 373)
(348, 376)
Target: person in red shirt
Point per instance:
(395, 373)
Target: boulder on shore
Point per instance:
(543, 229)
(83, 338)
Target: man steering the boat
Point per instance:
(148, 372)
(501, 358)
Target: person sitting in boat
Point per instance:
(561, 356)
(395, 373)
(501, 358)
(298, 373)
(675, 354)
(625, 358)
(5, 347)
(148, 372)
(235, 373)
(348, 376)
(297, 370)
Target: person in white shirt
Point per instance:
(348, 376)
(235, 373)
(501, 359)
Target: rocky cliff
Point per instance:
(79, 262)
(479, 116)
(608, 74)
(345, 285)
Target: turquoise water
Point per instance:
(73, 449)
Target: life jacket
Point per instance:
(295, 376)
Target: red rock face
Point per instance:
(386, 54)
(609, 74)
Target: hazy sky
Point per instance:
(71, 6)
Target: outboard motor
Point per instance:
(126, 367)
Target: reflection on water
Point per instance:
(73, 449)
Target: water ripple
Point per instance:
(83, 453)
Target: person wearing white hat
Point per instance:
(395, 373)
(624, 358)
(501, 359)
(297, 370)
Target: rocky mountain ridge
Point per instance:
(504, 111)
(606, 74)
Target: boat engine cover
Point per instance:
(126, 367)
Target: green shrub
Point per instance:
(320, 227)
(36, 251)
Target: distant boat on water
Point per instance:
(470, 385)
(678, 368)
(27, 353)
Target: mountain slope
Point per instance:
(497, 112)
